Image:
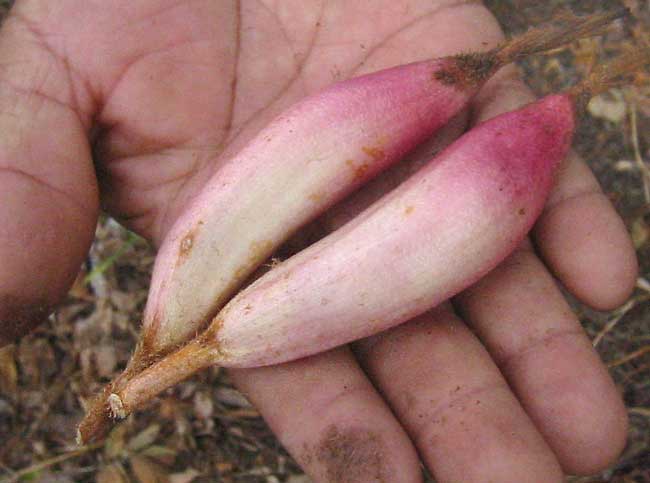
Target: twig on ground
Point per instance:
(629, 357)
(638, 158)
(619, 314)
(51, 462)
(640, 411)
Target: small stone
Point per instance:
(609, 106)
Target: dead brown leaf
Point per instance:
(203, 405)
(105, 360)
(186, 476)
(640, 232)
(8, 372)
(113, 473)
(115, 444)
(162, 454)
(144, 438)
(147, 471)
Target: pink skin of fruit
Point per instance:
(430, 238)
(435, 235)
(301, 164)
(305, 161)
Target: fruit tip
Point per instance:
(615, 73)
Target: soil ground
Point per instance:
(203, 430)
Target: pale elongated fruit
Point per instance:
(433, 236)
(302, 163)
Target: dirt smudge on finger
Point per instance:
(350, 456)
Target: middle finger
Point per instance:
(457, 408)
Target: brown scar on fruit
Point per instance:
(241, 271)
(359, 171)
(210, 338)
(350, 456)
(18, 316)
(259, 251)
(186, 244)
(408, 210)
(149, 336)
(374, 152)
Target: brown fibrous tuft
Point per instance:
(468, 69)
(615, 73)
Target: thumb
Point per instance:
(48, 191)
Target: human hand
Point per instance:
(151, 86)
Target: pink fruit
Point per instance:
(433, 236)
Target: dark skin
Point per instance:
(164, 90)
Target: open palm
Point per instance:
(131, 106)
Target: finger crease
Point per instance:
(43, 96)
(506, 360)
(344, 393)
(36, 180)
(584, 193)
(426, 16)
(289, 82)
(134, 61)
(68, 71)
(455, 401)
